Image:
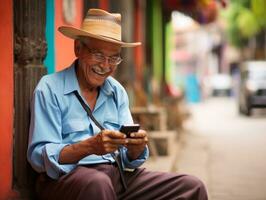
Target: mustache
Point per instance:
(101, 70)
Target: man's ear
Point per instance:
(77, 47)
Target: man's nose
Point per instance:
(105, 62)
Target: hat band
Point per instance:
(107, 28)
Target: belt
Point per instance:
(107, 163)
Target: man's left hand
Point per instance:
(136, 144)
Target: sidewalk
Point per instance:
(226, 151)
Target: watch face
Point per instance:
(69, 11)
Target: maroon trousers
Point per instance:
(102, 182)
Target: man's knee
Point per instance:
(93, 184)
(100, 181)
(192, 182)
(95, 180)
(195, 186)
(100, 187)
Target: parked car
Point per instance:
(221, 85)
(252, 93)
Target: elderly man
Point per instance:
(75, 143)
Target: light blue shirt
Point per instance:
(58, 119)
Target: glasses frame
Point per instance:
(101, 58)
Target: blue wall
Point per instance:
(49, 60)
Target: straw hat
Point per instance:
(99, 24)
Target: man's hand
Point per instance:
(107, 141)
(136, 144)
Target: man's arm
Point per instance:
(106, 141)
(45, 139)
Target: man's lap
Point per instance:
(142, 184)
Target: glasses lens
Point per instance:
(115, 60)
(98, 57)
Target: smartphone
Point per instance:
(129, 128)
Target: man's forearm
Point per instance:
(73, 153)
(105, 142)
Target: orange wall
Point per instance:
(6, 98)
(64, 45)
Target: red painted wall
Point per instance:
(6, 96)
(104, 4)
(64, 53)
(139, 51)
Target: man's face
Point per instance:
(97, 59)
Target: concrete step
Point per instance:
(161, 142)
(165, 163)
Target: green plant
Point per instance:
(244, 19)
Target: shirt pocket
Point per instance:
(111, 122)
(74, 126)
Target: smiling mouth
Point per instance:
(100, 71)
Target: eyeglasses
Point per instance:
(100, 57)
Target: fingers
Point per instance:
(114, 141)
(139, 134)
(109, 141)
(110, 148)
(113, 137)
(138, 138)
(113, 134)
(137, 141)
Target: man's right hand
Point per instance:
(107, 141)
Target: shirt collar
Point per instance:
(107, 88)
(71, 82)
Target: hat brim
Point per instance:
(74, 33)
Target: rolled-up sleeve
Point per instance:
(45, 139)
(134, 163)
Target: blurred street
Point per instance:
(226, 150)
